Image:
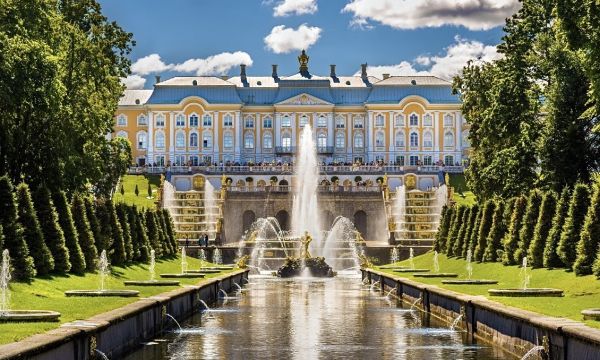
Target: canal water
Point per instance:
(308, 318)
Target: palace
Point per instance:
(191, 121)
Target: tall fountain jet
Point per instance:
(305, 210)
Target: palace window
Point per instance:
(448, 138)
(286, 141)
(427, 160)
(267, 141)
(160, 160)
(194, 160)
(379, 120)
(207, 140)
(414, 120)
(400, 139)
(249, 141)
(448, 120)
(414, 139)
(193, 140)
(160, 140)
(249, 122)
(285, 121)
(448, 160)
(122, 134)
(359, 123)
(142, 120)
(428, 120)
(322, 141)
(228, 140)
(180, 120)
(379, 139)
(122, 120)
(340, 122)
(193, 120)
(414, 160)
(160, 120)
(359, 141)
(207, 120)
(142, 140)
(322, 121)
(267, 123)
(228, 121)
(400, 160)
(180, 140)
(340, 140)
(179, 160)
(427, 140)
(399, 120)
(303, 120)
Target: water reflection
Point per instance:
(313, 319)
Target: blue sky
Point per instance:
(394, 36)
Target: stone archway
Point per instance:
(283, 217)
(360, 222)
(248, 218)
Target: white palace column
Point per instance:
(349, 126)
(437, 149)
(258, 147)
(330, 129)
(369, 138)
(150, 159)
(172, 137)
(391, 130)
(216, 124)
(277, 129)
(237, 129)
(294, 121)
(458, 145)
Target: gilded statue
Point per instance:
(306, 240)
(391, 225)
(364, 261)
(303, 60)
(359, 238)
(242, 262)
(252, 237)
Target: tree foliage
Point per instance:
(551, 258)
(454, 228)
(442, 234)
(589, 239)
(484, 229)
(65, 219)
(511, 239)
(569, 236)
(84, 232)
(532, 212)
(535, 253)
(497, 231)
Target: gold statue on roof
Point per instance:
(303, 60)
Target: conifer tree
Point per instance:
(454, 249)
(163, 234)
(142, 234)
(14, 241)
(137, 190)
(474, 236)
(170, 227)
(53, 234)
(1, 239)
(569, 236)
(118, 252)
(511, 239)
(42, 257)
(497, 233)
(467, 238)
(149, 191)
(589, 241)
(153, 233)
(444, 228)
(456, 224)
(535, 254)
(84, 232)
(90, 212)
(122, 215)
(122, 190)
(509, 206)
(484, 229)
(551, 258)
(532, 212)
(65, 220)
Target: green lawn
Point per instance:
(47, 294)
(462, 195)
(141, 201)
(581, 292)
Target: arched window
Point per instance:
(400, 139)
(340, 122)
(359, 122)
(303, 120)
(448, 138)
(180, 140)
(180, 120)
(322, 140)
(340, 140)
(249, 141)
(159, 142)
(228, 121)
(286, 141)
(359, 141)
(207, 120)
(207, 140)
(379, 139)
(399, 120)
(122, 134)
(249, 122)
(142, 120)
(267, 141)
(228, 140)
(448, 120)
(379, 120)
(427, 120)
(414, 120)
(160, 120)
(193, 120)
(193, 140)
(268, 123)
(285, 121)
(142, 140)
(322, 121)
(414, 139)
(427, 140)
(122, 120)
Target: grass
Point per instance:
(581, 292)
(48, 294)
(141, 201)
(462, 196)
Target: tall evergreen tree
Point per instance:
(142, 236)
(104, 239)
(42, 257)
(14, 240)
(532, 212)
(551, 258)
(454, 249)
(569, 236)
(84, 232)
(167, 245)
(511, 239)
(535, 254)
(442, 234)
(53, 234)
(65, 219)
(170, 228)
(472, 223)
(122, 215)
(497, 232)
(474, 236)
(454, 230)
(118, 252)
(484, 229)
(153, 233)
(90, 212)
(589, 240)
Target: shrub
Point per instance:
(473, 214)
(484, 229)
(444, 227)
(474, 236)
(118, 252)
(569, 236)
(84, 232)
(511, 239)
(142, 234)
(535, 254)
(551, 258)
(137, 190)
(457, 244)
(153, 233)
(455, 228)
(170, 228)
(14, 241)
(149, 191)
(90, 212)
(587, 247)
(42, 257)
(65, 219)
(122, 190)
(497, 233)
(53, 234)
(122, 216)
(532, 212)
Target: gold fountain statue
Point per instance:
(306, 240)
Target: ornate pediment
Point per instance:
(304, 99)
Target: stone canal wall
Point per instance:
(120, 331)
(515, 330)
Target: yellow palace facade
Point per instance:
(401, 120)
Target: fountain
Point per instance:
(217, 258)
(525, 290)
(184, 270)
(455, 322)
(211, 209)
(8, 315)
(411, 267)
(152, 281)
(174, 320)
(340, 248)
(468, 280)
(436, 270)
(104, 272)
(394, 255)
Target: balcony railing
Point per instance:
(321, 188)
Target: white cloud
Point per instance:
(134, 82)
(445, 66)
(149, 64)
(295, 7)
(283, 40)
(412, 14)
(216, 64)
